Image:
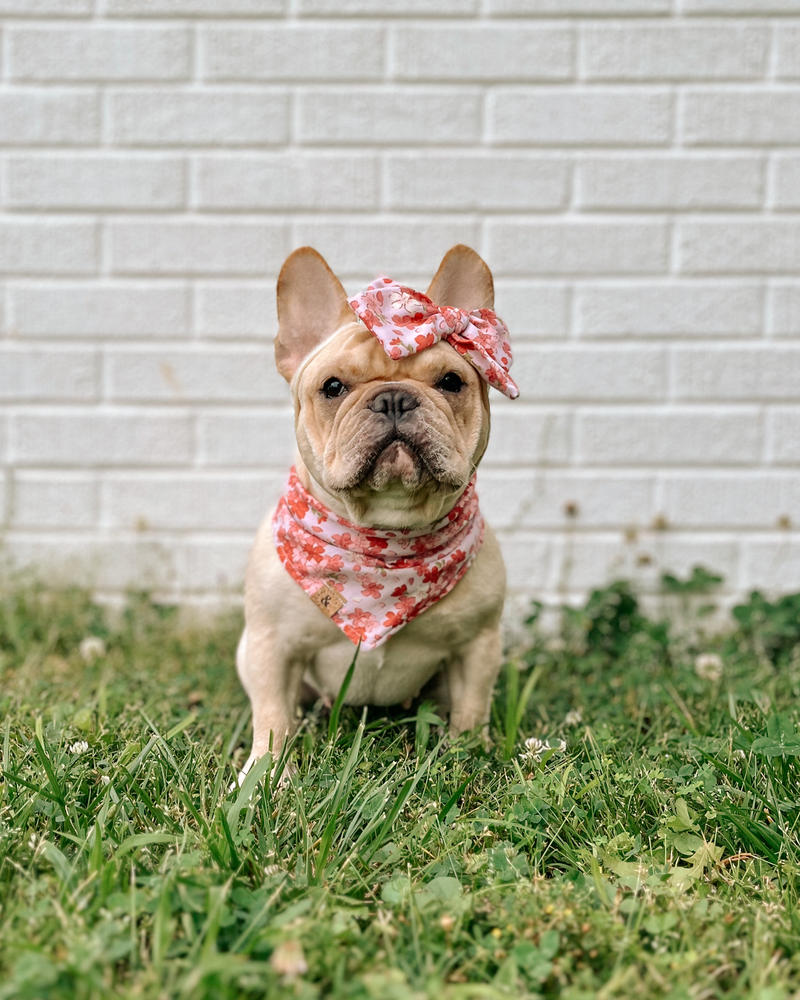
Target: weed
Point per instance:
(770, 629)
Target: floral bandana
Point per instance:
(405, 321)
(368, 582)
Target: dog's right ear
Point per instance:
(311, 304)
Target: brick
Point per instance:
(370, 247)
(787, 45)
(205, 8)
(215, 565)
(98, 52)
(258, 439)
(45, 8)
(54, 500)
(292, 52)
(741, 7)
(746, 373)
(528, 560)
(730, 500)
(772, 564)
(672, 183)
(226, 375)
(207, 117)
(469, 182)
(739, 247)
(658, 552)
(288, 180)
(82, 560)
(360, 116)
(47, 247)
(196, 247)
(556, 117)
(786, 185)
(783, 429)
(574, 570)
(522, 247)
(42, 117)
(201, 502)
(560, 8)
(542, 435)
(93, 310)
(579, 372)
(532, 309)
(95, 182)
(47, 374)
(674, 51)
(699, 309)
(783, 315)
(598, 559)
(481, 52)
(741, 116)
(100, 438)
(418, 8)
(697, 436)
(229, 309)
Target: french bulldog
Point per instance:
(378, 542)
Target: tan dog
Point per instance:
(337, 371)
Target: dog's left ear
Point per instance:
(463, 281)
(311, 304)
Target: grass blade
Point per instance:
(333, 721)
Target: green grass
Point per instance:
(656, 856)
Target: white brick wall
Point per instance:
(629, 168)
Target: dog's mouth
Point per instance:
(399, 460)
(410, 455)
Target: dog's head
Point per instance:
(393, 441)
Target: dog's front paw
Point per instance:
(277, 780)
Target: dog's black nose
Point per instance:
(393, 403)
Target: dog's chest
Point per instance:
(393, 672)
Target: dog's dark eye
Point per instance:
(333, 387)
(451, 382)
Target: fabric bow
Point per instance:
(406, 321)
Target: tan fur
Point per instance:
(287, 640)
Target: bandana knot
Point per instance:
(406, 321)
(372, 582)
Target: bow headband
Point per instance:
(405, 321)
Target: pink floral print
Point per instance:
(406, 321)
(384, 578)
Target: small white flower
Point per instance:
(92, 648)
(708, 666)
(288, 960)
(536, 748)
(272, 869)
(573, 717)
(80, 746)
(105, 779)
(740, 754)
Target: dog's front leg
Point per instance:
(470, 677)
(272, 682)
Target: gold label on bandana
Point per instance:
(328, 599)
